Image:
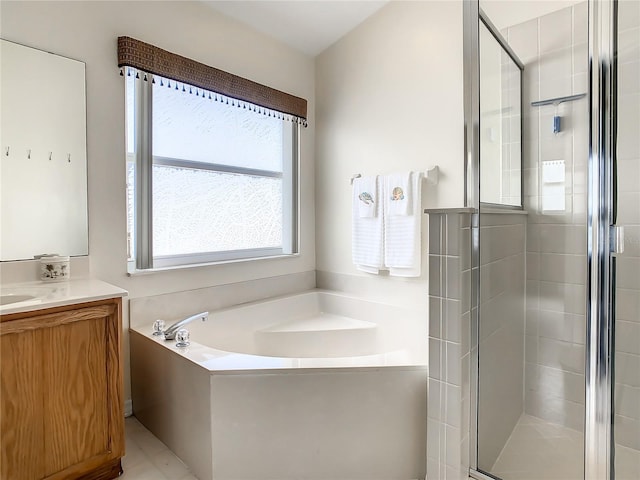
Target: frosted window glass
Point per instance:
(197, 211)
(131, 119)
(189, 127)
(131, 205)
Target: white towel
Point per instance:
(367, 233)
(366, 190)
(402, 233)
(400, 196)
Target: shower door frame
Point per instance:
(601, 215)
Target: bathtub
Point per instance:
(317, 385)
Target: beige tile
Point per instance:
(629, 77)
(540, 450)
(563, 268)
(629, 175)
(628, 304)
(169, 464)
(561, 355)
(147, 458)
(435, 394)
(435, 317)
(627, 401)
(628, 272)
(142, 471)
(628, 146)
(627, 369)
(148, 443)
(555, 30)
(563, 297)
(628, 44)
(580, 22)
(628, 337)
(627, 432)
(627, 463)
(566, 327)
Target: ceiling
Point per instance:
(306, 25)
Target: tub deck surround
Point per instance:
(318, 329)
(270, 389)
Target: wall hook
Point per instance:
(69, 157)
(50, 153)
(7, 152)
(29, 154)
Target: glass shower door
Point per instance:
(626, 407)
(532, 263)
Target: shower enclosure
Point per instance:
(553, 142)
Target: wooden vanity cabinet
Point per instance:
(61, 397)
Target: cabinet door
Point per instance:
(83, 419)
(21, 412)
(76, 404)
(61, 405)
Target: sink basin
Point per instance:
(14, 298)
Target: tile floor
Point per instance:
(539, 450)
(147, 458)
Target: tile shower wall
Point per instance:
(501, 331)
(554, 51)
(627, 389)
(449, 340)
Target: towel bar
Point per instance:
(431, 175)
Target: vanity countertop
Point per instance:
(32, 296)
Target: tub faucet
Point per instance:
(170, 333)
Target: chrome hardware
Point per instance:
(182, 338)
(158, 327)
(170, 333)
(617, 239)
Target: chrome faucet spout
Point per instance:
(170, 333)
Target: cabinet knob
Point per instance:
(182, 338)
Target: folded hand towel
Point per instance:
(399, 198)
(367, 234)
(366, 190)
(402, 233)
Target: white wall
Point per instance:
(88, 31)
(390, 98)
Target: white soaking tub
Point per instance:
(317, 385)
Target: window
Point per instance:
(209, 178)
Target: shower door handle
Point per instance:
(616, 235)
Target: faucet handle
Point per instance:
(182, 338)
(158, 327)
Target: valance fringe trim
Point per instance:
(213, 96)
(151, 59)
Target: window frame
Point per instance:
(143, 258)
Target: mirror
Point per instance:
(500, 121)
(43, 177)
